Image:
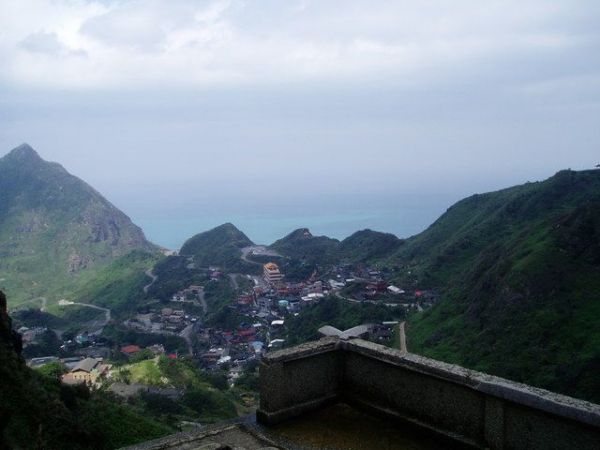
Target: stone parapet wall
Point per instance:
(473, 408)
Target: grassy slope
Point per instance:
(55, 229)
(368, 245)
(201, 399)
(519, 272)
(119, 285)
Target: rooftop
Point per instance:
(86, 365)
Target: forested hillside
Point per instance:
(519, 275)
(220, 246)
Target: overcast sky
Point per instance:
(178, 106)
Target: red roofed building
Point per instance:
(130, 349)
(246, 332)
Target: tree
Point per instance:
(53, 370)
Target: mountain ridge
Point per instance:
(219, 246)
(55, 226)
(518, 274)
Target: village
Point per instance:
(262, 305)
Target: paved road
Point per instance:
(44, 301)
(401, 330)
(259, 250)
(202, 300)
(154, 278)
(375, 302)
(234, 283)
(348, 299)
(186, 334)
(100, 324)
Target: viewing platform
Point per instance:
(339, 393)
(462, 406)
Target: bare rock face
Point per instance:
(77, 263)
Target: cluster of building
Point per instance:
(167, 319)
(264, 309)
(233, 347)
(188, 295)
(29, 335)
(156, 350)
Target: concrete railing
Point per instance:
(476, 409)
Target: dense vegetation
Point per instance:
(119, 286)
(219, 247)
(218, 295)
(173, 274)
(519, 272)
(204, 395)
(37, 411)
(301, 246)
(55, 230)
(368, 245)
(125, 336)
(337, 313)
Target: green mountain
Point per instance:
(55, 230)
(37, 411)
(518, 272)
(220, 247)
(362, 246)
(368, 245)
(301, 245)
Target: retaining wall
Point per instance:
(470, 407)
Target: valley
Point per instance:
(504, 282)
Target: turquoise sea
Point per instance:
(403, 220)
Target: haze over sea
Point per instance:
(267, 223)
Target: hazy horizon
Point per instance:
(169, 224)
(344, 113)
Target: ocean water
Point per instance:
(403, 220)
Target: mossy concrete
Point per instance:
(470, 407)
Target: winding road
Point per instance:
(44, 301)
(100, 324)
(234, 283)
(202, 301)
(259, 250)
(154, 278)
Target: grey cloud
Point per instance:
(42, 43)
(47, 43)
(142, 26)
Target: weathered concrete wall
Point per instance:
(474, 408)
(301, 379)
